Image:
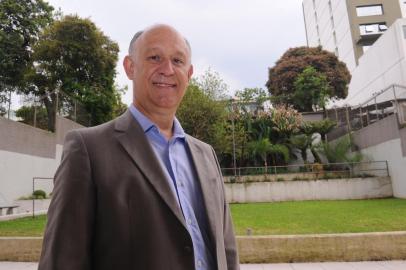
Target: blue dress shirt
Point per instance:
(177, 163)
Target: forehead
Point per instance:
(163, 39)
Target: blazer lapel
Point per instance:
(131, 136)
(208, 184)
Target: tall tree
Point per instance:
(212, 84)
(75, 58)
(20, 24)
(311, 90)
(294, 61)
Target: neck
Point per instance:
(163, 120)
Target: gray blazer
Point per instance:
(112, 207)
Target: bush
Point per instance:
(39, 194)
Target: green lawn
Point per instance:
(283, 218)
(23, 226)
(309, 217)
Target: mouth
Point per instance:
(164, 85)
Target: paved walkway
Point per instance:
(384, 265)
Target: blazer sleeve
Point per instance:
(68, 236)
(228, 231)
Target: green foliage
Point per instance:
(28, 114)
(20, 24)
(201, 116)
(339, 151)
(212, 85)
(255, 97)
(322, 127)
(302, 142)
(76, 58)
(311, 90)
(282, 77)
(39, 194)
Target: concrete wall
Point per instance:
(392, 152)
(383, 140)
(269, 249)
(322, 248)
(27, 152)
(340, 189)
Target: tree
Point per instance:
(20, 24)
(282, 76)
(75, 58)
(33, 116)
(212, 84)
(311, 90)
(248, 96)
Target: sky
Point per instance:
(239, 39)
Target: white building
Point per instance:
(348, 28)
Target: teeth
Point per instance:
(164, 84)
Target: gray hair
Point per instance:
(139, 33)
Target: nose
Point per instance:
(166, 68)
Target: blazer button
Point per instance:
(188, 249)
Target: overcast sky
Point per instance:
(239, 39)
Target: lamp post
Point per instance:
(233, 130)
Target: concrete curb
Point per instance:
(269, 249)
(323, 247)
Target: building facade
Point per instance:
(348, 28)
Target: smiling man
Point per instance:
(137, 192)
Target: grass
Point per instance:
(27, 226)
(320, 217)
(283, 218)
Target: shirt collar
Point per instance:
(146, 124)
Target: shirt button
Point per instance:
(199, 263)
(179, 183)
(189, 221)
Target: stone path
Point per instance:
(383, 265)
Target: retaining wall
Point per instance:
(269, 249)
(333, 189)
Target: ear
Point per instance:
(190, 72)
(129, 67)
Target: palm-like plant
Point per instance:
(263, 147)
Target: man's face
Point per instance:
(160, 69)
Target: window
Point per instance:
(374, 28)
(371, 10)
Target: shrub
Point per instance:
(39, 194)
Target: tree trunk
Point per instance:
(50, 105)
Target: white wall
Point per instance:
(382, 65)
(342, 189)
(17, 171)
(392, 152)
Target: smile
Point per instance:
(159, 84)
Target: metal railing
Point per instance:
(382, 104)
(316, 171)
(41, 111)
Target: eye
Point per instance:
(155, 58)
(178, 61)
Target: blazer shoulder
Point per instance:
(198, 143)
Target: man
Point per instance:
(136, 192)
